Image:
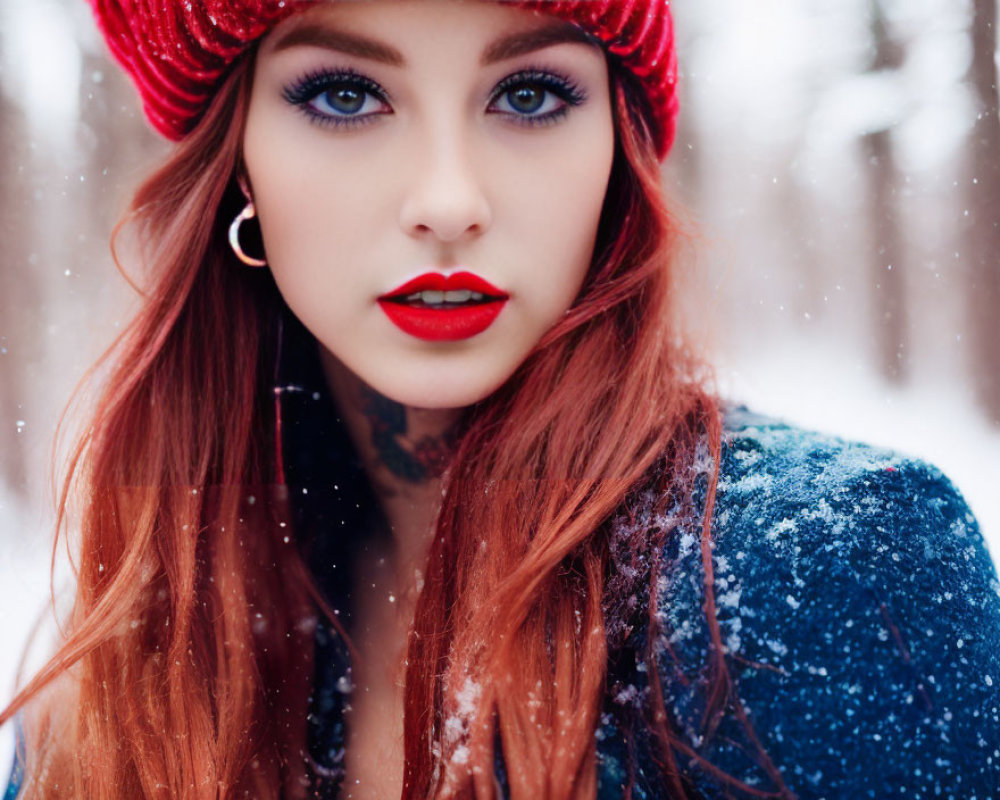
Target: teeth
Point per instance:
(435, 298)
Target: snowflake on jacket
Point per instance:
(859, 612)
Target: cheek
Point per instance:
(560, 219)
(318, 246)
(307, 193)
(300, 212)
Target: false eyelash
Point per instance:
(558, 84)
(314, 83)
(318, 81)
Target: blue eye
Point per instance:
(346, 98)
(536, 97)
(341, 98)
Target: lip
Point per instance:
(443, 324)
(435, 281)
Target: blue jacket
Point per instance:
(860, 613)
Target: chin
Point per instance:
(436, 391)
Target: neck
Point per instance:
(404, 451)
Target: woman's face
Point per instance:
(463, 141)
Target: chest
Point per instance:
(373, 714)
(373, 768)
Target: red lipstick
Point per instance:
(435, 317)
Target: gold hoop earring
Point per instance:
(248, 212)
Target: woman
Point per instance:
(419, 492)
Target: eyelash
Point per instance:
(313, 84)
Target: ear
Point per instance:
(243, 181)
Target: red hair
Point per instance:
(166, 685)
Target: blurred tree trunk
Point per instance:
(983, 232)
(20, 342)
(887, 256)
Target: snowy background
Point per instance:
(842, 158)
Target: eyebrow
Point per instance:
(517, 44)
(317, 34)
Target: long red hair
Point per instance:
(166, 686)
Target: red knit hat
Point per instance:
(178, 50)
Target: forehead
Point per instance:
(383, 30)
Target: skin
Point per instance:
(442, 173)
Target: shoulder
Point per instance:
(859, 613)
(794, 496)
(793, 503)
(768, 455)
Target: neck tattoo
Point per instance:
(414, 462)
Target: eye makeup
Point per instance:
(320, 88)
(552, 83)
(314, 86)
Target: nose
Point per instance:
(445, 198)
